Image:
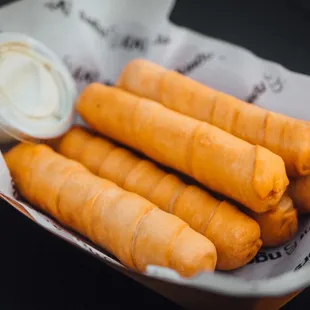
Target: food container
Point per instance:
(37, 91)
(107, 40)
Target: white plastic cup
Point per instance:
(37, 92)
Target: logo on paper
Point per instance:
(80, 73)
(275, 83)
(263, 257)
(161, 40)
(65, 6)
(84, 75)
(290, 248)
(257, 91)
(94, 24)
(198, 60)
(130, 42)
(303, 263)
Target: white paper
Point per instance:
(96, 38)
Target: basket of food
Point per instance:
(171, 156)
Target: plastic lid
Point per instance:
(37, 92)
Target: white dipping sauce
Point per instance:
(37, 92)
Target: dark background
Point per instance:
(40, 271)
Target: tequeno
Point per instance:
(299, 191)
(285, 136)
(125, 224)
(278, 225)
(252, 175)
(235, 235)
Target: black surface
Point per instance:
(277, 30)
(39, 271)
